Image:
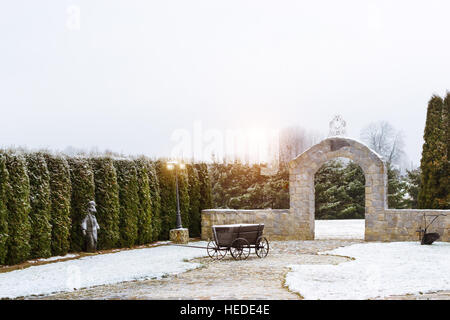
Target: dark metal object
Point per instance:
(89, 227)
(179, 225)
(262, 247)
(424, 236)
(239, 240)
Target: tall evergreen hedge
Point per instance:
(194, 201)
(18, 205)
(144, 213)
(434, 158)
(183, 185)
(40, 214)
(60, 196)
(129, 199)
(3, 210)
(205, 186)
(168, 212)
(83, 191)
(156, 200)
(107, 200)
(444, 197)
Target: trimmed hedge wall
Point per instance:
(107, 200)
(129, 202)
(44, 197)
(3, 210)
(18, 206)
(167, 188)
(144, 213)
(60, 195)
(40, 215)
(194, 201)
(83, 191)
(155, 195)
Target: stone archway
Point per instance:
(301, 184)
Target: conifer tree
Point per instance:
(444, 181)
(397, 189)
(155, 199)
(40, 215)
(18, 206)
(145, 233)
(194, 201)
(3, 209)
(107, 201)
(83, 191)
(168, 212)
(60, 196)
(129, 201)
(205, 186)
(434, 154)
(183, 185)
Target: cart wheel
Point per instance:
(215, 252)
(240, 249)
(262, 247)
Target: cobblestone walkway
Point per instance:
(253, 278)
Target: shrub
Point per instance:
(183, 185)
(156, 200)
(128, 199)
(60, 195)
(40, 216)
(18, 205)
(3, 210)
(194, 203)
(205, 186)
(144, 222)
(168, 212)
(83, 191)
(107, 200)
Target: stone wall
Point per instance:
(396, 225)
(275, 221)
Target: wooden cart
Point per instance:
(238, 239)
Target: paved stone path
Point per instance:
(253, 278)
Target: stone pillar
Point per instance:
(180, 236)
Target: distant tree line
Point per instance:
(44, 197)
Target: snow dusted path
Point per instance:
(379, 270)
(253, 278)
(339, 229)
(127, 265)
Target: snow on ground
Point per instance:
(128, 265)
(379, 270)
(339, 229)
(67, 256)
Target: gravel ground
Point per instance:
(253, 278)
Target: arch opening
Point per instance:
(339, 200)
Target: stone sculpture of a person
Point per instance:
(89, 227)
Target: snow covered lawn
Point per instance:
(128, 265)
(379, 270)
(339, 229)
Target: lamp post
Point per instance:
(177, 166)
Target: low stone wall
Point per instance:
(393, 225)
(402, 225)
(275, 221)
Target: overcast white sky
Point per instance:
(135, 71)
